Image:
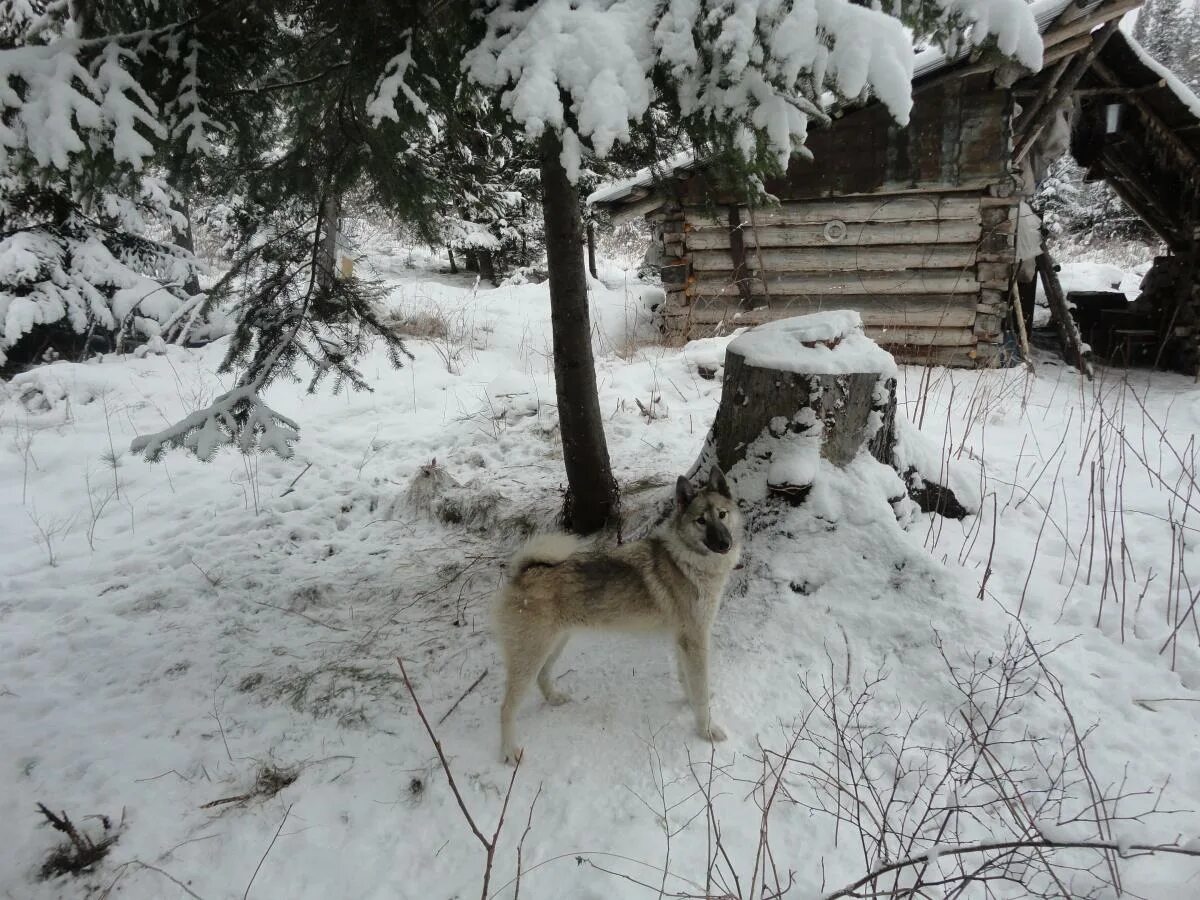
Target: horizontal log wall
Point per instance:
(928, 274)
(914, 228)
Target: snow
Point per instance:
(219, 619)
(605, 60)
(822, 343)
(1095, 276)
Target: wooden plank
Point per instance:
(840, 259)
(1060, 312)
(922, 337)
(885, 335)
(858, 234)
(945, 281)
(931, 207)
(931, 311)
(951, 357)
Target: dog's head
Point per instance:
(707, 519)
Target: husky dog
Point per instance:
(670, 581)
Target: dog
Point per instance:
(671, 581)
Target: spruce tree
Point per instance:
(290, 105)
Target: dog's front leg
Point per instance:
(694, 652)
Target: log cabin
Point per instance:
(923, 230)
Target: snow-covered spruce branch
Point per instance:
(238, 417)
(1004, 849)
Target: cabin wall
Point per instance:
(912, 227)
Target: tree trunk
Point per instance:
(591, 245)
(453, 267)
(328, 224)
(487, 266)
(182, 237)
(592, 497)
(471, 260)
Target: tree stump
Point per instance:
(805, 388)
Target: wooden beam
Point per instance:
(1047, 91)
(858, 234)
(1068, 331)
(737, 255)
(1125, 182)
(944, 281)
(911, 257)
(926, 207)
(1186, 156)
(1108, 91)
(1067, 48)
(1032, 129)
(1085, 23)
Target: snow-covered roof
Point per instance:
(1178, 90)
(927, 62)
(1151, 158)
(1045, 12)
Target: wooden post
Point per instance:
(737, 250)
(591, 248)
(1068, 331)
(1023, 336)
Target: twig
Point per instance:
(521, 843)
(989, 846)
(474, 684)
(286, 813)
(291, 487)
(238, 799)
(488, 846)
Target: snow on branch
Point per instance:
(589, 68)
(382, 102)
(237, 418)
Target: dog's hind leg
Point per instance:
(524, 662)
(545, 680)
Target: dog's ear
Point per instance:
(717, 482)
(684, 492)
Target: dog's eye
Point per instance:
(700, 521)
(721, 514)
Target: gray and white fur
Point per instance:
(671, 581)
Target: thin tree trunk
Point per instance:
(453, 267)
(182, 237)
(487, 266)
(591, 244)
(592, 497)
(327, 261)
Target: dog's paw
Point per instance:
(513, 755)
(557, 698)
(713, 732)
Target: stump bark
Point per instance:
(809, 387)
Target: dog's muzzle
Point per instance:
(717, 539)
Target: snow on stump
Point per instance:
(803, 389)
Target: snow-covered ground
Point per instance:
(182, 633)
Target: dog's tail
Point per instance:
(545, 550)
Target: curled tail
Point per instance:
(545, 550)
